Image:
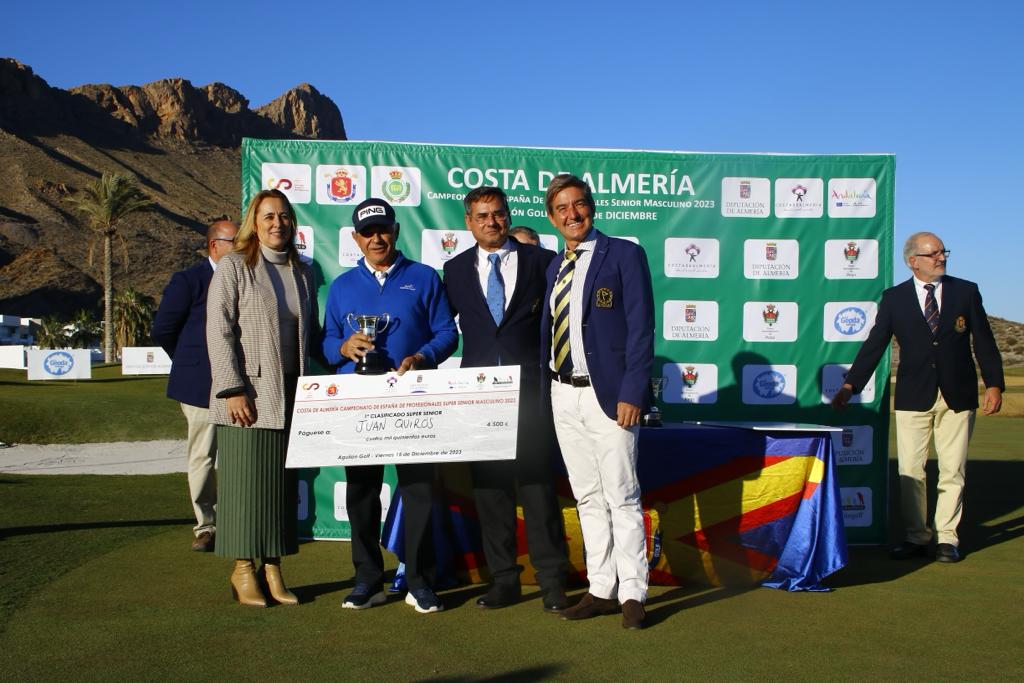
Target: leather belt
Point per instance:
(576, 381)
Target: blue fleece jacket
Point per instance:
(421, 319)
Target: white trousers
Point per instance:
(202, 457)
(600, 457)
(914, 433)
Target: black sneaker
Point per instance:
(424, 600)
(364, 596)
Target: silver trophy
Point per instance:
(370, 325)
(653, 418)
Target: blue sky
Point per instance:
(933, 83)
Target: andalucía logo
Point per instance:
(691, 313)
(799, 191)
(690, 375)
(847, 437)
(59, 363)
(851, 197)
(771, 251)
(342, 187)
(693, 251)
(770, 314)
(449, 242)
(851, 252)
(850, 320)
(395, 188)
(332, 390)
(769, 384)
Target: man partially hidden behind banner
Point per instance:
(935, 318)
(497, 290)
(420, 334)
(180, 328)
(598, 328)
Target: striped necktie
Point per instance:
(931, 309)
(560, 317)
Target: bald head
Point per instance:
(925, 254)
(220, 237)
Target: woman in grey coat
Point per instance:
(260, 319)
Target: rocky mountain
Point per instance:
(182, 143)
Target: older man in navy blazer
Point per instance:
(935, 318)
(598, 335)
(497, 290)
(180, 328)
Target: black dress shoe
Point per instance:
(590, 606)
(907, 550)
(947, 552)
(633, 615)
(554, 600)
(499, 596)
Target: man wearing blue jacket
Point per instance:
(180, 328)
(421, 334)
(598, 329)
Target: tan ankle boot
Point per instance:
(275, 582)
(244, 586)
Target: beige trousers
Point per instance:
(202, 457)
(951, 432)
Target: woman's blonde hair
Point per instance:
(247, 240)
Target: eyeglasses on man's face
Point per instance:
(223, 239)
(944, 253)
(483, 218)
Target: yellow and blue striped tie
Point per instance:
(560, 317)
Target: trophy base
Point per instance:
(651, 420)
(369, 367)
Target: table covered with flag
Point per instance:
(724, 504)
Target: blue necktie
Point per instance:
(495, 290)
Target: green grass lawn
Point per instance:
(133, 408)
(97, 583)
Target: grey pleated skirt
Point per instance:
(256, 495)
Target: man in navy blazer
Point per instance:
(180, 328)
(935, 318)
(598, 339)
(509, 276)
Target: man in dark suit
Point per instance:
(935, 318)
(497, 290)
(598, 336)
(180, 328)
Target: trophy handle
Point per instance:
(349, 319)
(386, 317)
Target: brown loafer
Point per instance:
(590, 606)
(203, 543)
(633, 615)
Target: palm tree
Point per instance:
(133, 317)
(51, 334)
(104, 204)
(85, 329)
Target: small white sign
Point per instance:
(690, 383)
(145, 360)
(853, 445)
(848, 321)
(856, 505)
(851, 198)
(439, 246)
(398, 185)
(799, 197)
(765, 259)
(746, 197)
(294, 180)
(340, 185)
(59, 364)
(833, 377)
(305, 242)
(851, 259)
(695, 257)
(769, 384)
(690, 320)
(770, 321)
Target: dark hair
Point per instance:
(483, 194)
(567, 180)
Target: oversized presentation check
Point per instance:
(448, 415)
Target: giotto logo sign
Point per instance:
(848, 320)
(769, 384)
(294, 180)
(690, 320)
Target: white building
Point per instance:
(16, 331)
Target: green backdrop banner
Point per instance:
(767, 269)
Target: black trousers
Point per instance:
(362, 497)
(494, 490)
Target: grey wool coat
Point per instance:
(242, 333)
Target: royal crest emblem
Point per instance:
(690, 313)
(771, 251)
(960, 325)
(770, 314)
(851, 252)
(332, 390)
(342, 186)
(690, 376)
(395, 188)
(449, 242)
(603, 298)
